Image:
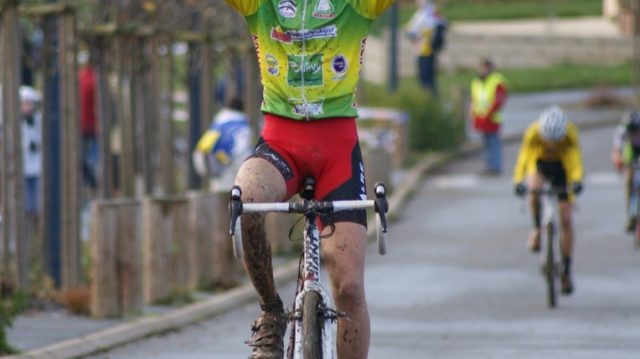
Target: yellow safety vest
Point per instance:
(483, 94)
(426, 49)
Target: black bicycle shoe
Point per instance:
(566, 284)
(631, 224)
(267, 336)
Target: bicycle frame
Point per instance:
(311, 251)
(548, 202)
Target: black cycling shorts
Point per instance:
(554, 172)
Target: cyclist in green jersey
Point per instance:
(310, 53)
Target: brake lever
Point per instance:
(235, 208)
(381, 204)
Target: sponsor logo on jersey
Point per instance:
(305, 70)
(304, 108)
(339, 64)
(287, 8)
(272, 64)
(290, 36)
(324, 10)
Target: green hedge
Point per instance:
(519, 9)
(434, 123)
(551, 78)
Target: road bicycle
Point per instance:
(312, 315)
(550, 267)
(634, 201)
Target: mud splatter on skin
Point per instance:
(257, 261)
(345, 335)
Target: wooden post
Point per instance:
(202, 221)
(223, 261)
(162, 75)
(206, 84)
(165, 258)
(13, 197)
(125, 109)
(144, 129)
(116, 253)
(70, 134)
(155, 109)
(51, 127)
(105, 302)
(194, 79)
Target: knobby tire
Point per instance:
(312, 323)
(549, 268)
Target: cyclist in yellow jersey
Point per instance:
(310, 53)
(550, 151)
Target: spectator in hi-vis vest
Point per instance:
(224, 146)
(488, 97)
(426, 31)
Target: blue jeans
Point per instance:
(427, 72)
(32, 195)
(493, 151)
(89, 161)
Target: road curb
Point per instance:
(128, 332)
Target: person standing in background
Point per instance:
(88, 123)
(488, 97)
(426, 31)
(224, 146)
(31, 130)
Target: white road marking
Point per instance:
(609, 178)
(468, 181)
(455, 181)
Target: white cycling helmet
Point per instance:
(553, 124)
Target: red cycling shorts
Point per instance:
(327, 150)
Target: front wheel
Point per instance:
(550, 268)
(312, 323)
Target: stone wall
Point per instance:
(467, 50)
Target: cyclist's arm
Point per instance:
(572, 158)
(245, 7)
(617, 145)
(500, 99)
(371, 9)
(618, 138)
(524, 155)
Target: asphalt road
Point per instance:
(458, 281)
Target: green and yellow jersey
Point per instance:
(310, 52)
(534, 148)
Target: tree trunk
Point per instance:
(71, 184)
(13, 183)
